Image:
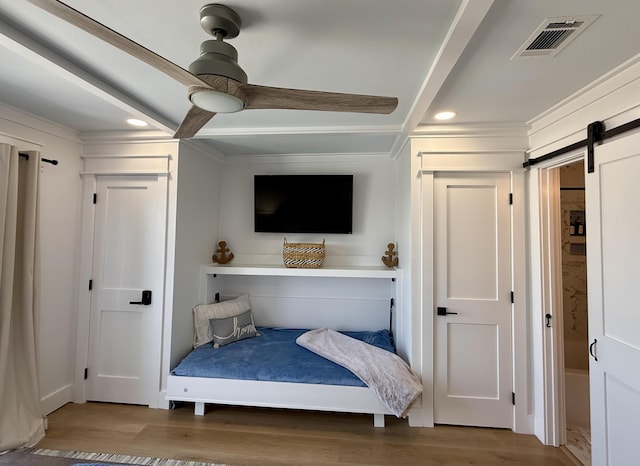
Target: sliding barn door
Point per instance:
(473, 347)
(613, 271)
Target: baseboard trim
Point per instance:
(56, 399)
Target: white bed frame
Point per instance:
(285, 313)
(337, 398)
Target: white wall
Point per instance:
(613, 99)
(373, 207)
(60, 188)
(405, 251)
(197, 211)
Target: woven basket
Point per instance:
(303, 255)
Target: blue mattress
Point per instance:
(274, 356)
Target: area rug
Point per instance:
(34, 456)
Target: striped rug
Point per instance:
(122, 459)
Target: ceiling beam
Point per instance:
(16, 39)
(469, 17)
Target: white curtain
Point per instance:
(21, 419)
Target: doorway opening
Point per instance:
(573, 329)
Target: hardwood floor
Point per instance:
(251, 436)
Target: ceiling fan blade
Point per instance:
(264, 97)
(99, 30)
(195, 119)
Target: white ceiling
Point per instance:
(431, 54)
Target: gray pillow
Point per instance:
(233, 328)
(203, 313)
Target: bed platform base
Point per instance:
(275, 395)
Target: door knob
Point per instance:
(442, 311)
(145, 300)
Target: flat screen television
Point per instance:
(303, 203)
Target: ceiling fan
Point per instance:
(215, 81)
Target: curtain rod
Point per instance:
(595, 133)
(26, 156)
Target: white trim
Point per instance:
(74, 72)
(37, 124)
(481, 130)
(57, 399)
(125, 156)
(280, 270)
(552, 412)
(398, 146)
(84, 294)
(230, 133)
(427, 299)
(523, 417)
(288, 395)
(467, 20)
(363, 157)
(125, 172)
(126, 136)
(457, 155)
(603, 86)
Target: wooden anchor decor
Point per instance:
(222, 257)
(391, 257)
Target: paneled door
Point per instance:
(473, 345)
(612, 195)
(127, 293)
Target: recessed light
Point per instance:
(444, 115)
(136, 122)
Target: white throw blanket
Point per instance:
(390, 378)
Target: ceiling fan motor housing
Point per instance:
(219, 58)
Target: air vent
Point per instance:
(553, 35)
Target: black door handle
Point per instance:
(146, 298)
(548, 317)
(442, 311)
(591, 347)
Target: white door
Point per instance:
(129, 244)
(613, 277)
(473, 347)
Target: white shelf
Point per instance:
(282, 271)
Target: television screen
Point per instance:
(303, 203)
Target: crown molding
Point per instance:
(38, 124)
(279, 131)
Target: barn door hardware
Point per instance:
(591, 348)
(595, 133)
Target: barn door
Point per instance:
(613, 274)
(127, 289)
(473, 346)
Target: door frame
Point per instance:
(93, 167)
(483, 161)
(552, 427)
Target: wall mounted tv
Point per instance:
(303, 203)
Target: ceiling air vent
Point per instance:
(553, 35)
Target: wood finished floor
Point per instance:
(250, 436)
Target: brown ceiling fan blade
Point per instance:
(116, 39)
(195, 119)
(264, 97)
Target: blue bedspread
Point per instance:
(274, 356)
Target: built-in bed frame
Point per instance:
(304, 396)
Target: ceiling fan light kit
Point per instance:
(215, 81)
(216, 102)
